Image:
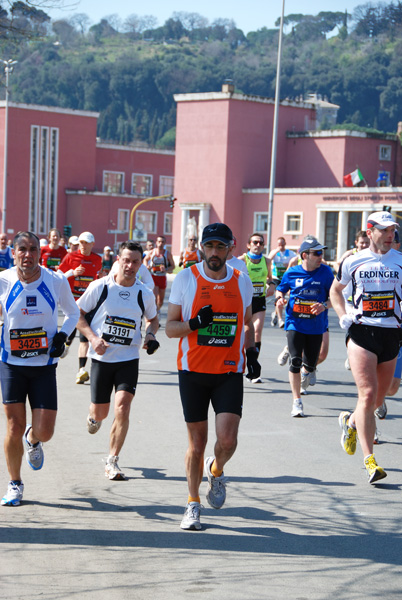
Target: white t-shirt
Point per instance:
(238, 264)
(30, 316)
(376, 286)
(118, 319)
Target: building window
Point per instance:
(260, 222)
(123, 219)
(141, 185)
(113, 182)
(354, 226)
(43, 179)
(168, 224)
(385, 152)
(331, 235)
(293, 223)
(148, 219)
(166, 185)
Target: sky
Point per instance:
(248, 16)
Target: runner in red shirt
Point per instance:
(52, 254)
(81, 268)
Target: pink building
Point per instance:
(223, 155)
(59, 174)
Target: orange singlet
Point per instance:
(218, 348)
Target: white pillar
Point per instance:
(320, 226)
(365, 216)
(204, 219)
(184, 220)
(342, 233)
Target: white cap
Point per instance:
(86, 236)
(73, 241)
(381, 219)
(107, 248)
(42, 242)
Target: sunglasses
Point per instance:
(257, 243)
(316, 252)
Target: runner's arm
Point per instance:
(171, 264)
(175, 327)
(98, 344)
(249, 338)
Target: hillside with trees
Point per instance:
(129, 70)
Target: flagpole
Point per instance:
(275, 133)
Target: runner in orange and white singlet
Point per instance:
(190, 255)
(210, 312)
(159, 262)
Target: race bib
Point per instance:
(27, 343)
(302, 309)
(81, 284)
(221, 332)
(378, 304)
(258, 288)
(53, 262)
(118, 330)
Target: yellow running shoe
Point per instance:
(349, 434)
(374, 472)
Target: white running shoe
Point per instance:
(381, 411)
(297, 409)
(256, 380)
(92, 425)
(274, 319)
(216, 492)
(283, 356)
(191, 518)
(14, 493)
(82, 376)
(33, 453)
(281, 323)
(313, 377)
(65, 351)
(307, 378)
(112, 469)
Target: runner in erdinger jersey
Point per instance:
(30, 347)
(81, 268)
(116, 304)
(373, 325)
(210, 311)
(306, 315)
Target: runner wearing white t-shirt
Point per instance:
(111, 313)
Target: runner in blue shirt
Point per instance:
(306, 315)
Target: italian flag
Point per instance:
(353, 178)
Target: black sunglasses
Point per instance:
(316, 252)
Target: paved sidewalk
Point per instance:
(300, 520)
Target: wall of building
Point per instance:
(76, 157)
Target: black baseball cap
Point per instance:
(219, 232)
(311, 244)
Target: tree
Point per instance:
(81, 22)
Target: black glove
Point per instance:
(152, 346)
(204, 317)
(253, 366)
(58, 344)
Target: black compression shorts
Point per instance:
(37, 383)
(258, 304)
(122, 376)
(197, 390)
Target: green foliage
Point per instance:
(129, 74)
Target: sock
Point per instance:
(215, 472)
(82, 362)
(195, 499)
(258, 346)
(16, 481)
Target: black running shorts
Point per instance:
(122, 376)
(197, 390)
(258, 304)
(381, 341)
(38, 384)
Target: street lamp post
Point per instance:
(275, 133)
(8, 68)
